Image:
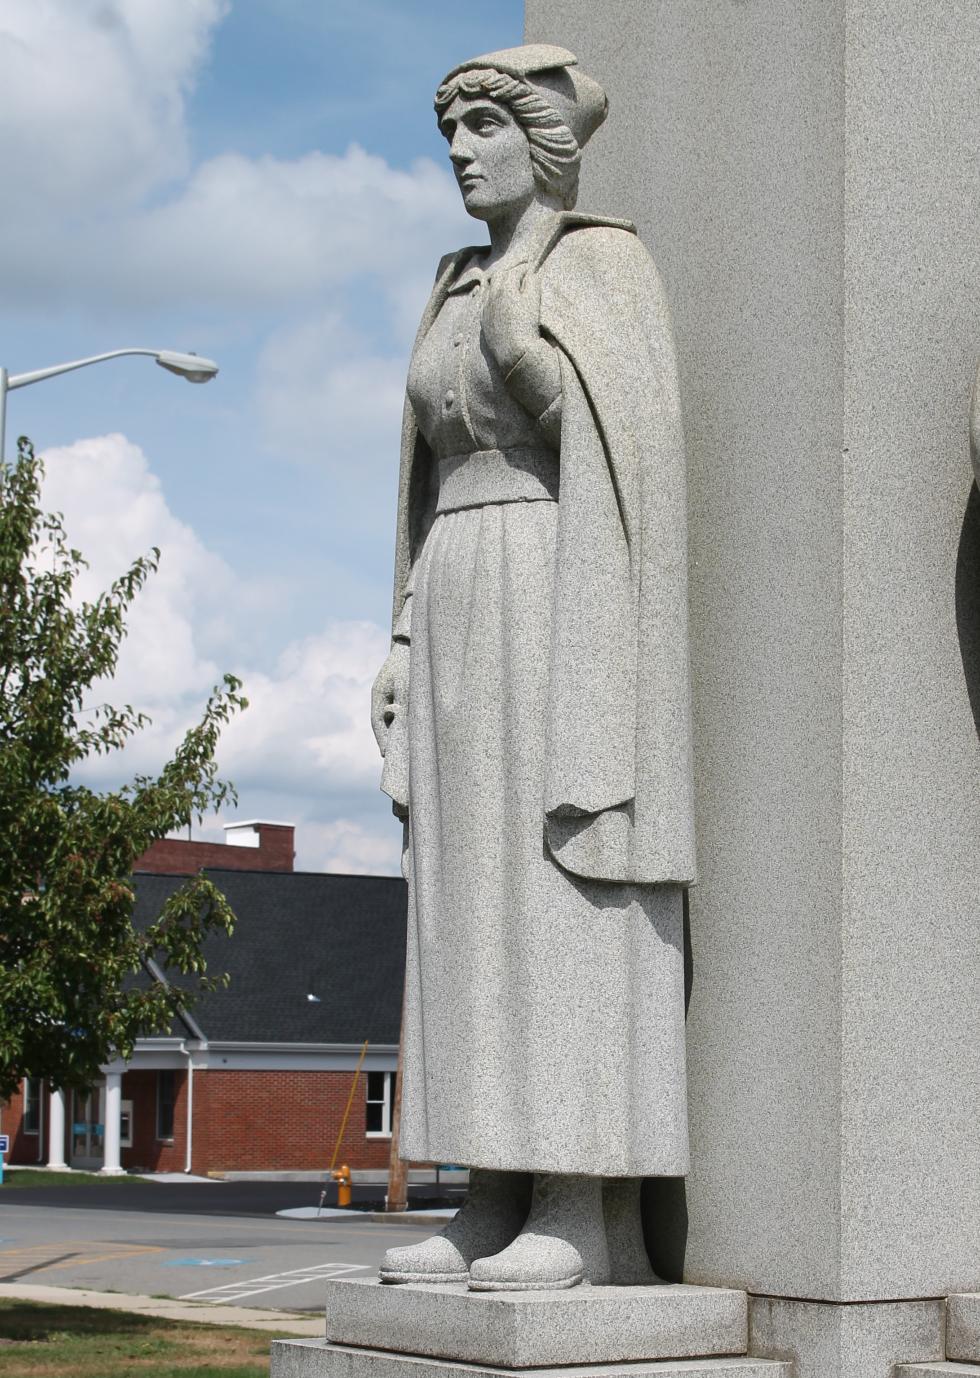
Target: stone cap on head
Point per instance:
(519, 62)
(553, 73)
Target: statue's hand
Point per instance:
(511, 314)
(389, 696)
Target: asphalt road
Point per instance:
(215, 1242)
(214, 1198)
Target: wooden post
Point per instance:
(350, 1102)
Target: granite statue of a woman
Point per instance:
(533, 712)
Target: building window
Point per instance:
(380, 1103)
(166, 1095)
(31, 1121)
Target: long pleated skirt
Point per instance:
(544, 1018)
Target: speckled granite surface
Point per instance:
(580, 1325)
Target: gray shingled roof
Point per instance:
(340, 937)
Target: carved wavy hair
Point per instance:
(555, 154)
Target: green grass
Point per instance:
(39, 1177)
(40, 1341)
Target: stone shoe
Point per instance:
(495, 1208)
(563, 1242)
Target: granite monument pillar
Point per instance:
(806, 178)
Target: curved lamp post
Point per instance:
(189, 366)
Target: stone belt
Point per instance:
(483, 477)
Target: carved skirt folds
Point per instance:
(544, 1018)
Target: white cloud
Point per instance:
(349, 848)
(115, 511)
(304, 747)
(322, 390)
(111, 215)
(92, 97)
(94, 151)
(260, 230)
(93, 138)
(243, 234)
(307, 730)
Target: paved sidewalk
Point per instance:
(170, 1309)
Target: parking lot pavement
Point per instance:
(218, 1257)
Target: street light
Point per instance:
(189, 366)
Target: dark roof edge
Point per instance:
(241, 871)
(226, 1045)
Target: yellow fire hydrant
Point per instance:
(341, 1176)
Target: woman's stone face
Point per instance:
(490, 155)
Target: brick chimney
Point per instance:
(254, 845)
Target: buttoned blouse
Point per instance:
(458, 392)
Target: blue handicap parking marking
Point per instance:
(203, 1262)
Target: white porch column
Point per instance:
(112, 1165)
(56, 1130)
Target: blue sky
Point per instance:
(263, 183)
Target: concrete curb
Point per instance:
(447, 1177)
(438, 1217)
(171, 1309)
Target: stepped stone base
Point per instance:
(314, 1359)
(942, 1368)
(963, 1327)
(852, 1340)
(519, 1330)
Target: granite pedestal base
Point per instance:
(962, 1342)
(862, 1340)
(963, 1328)
(518, 1330)
(314, 1359)
(942, 1368)
(426, 1331)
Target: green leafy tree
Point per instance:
(78, 982)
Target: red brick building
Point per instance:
(257, 1076)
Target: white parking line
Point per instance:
(273, 1282)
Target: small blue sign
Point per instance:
(4, 1143)
(203, 1262)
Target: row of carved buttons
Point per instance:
(450, 397)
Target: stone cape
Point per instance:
(619, 794)
(544, 1022)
